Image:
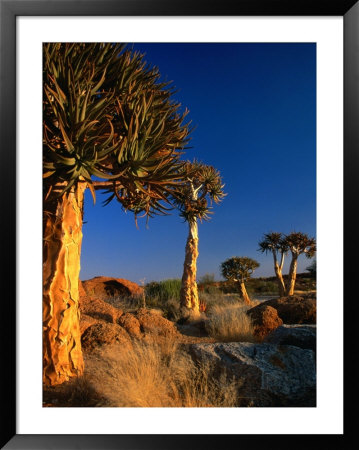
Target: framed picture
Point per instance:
(327, 33)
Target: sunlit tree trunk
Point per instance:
(278, 273)
(189, 291)
(292, 274)
(243, 293)
(62, 230)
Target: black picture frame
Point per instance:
(9, 10)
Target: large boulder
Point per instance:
(154, 324)
(129, 322)
(270, 375)
(104, 324)
(85, 322)
(265, 319)
(107, 287)
(292, 309)
(303, 336)
(102, 333)
(99, 309)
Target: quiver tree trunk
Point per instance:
(278, 273)
(243, 293)
(62, 229)
(189, 290)
(292, 275)
(280, 281)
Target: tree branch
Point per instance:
(281, 260)
(106, 184)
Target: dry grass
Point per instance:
(230, 323)
(156, 375)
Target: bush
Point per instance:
(260, 286)
(207, 278)
(164, 295)
(209, 289)
(162, 291)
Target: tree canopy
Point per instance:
(299, 243)
(202, 185)
(273, 242)
(238, 268)
(107, 116)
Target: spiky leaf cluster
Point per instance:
(238, 268)
(299, 243)
(201, 186)
(107, 116)
(273, 242)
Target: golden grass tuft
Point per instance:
(156, 375)
(230, 324)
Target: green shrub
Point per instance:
(212, 290)
(261, 286)
(164, 295)
(162, 291)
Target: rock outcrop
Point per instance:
(270, 374)
(131, 324)
(303, 336)
(107, 287)
(153, 323)
(102, 333)
(85, 322)
(99, 309)
(265, 319)
(101, 323)
(292, 309)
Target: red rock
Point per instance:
(85, 322)
(107, 287)
(102, 333)
(295, 309)
(99, 309)
(129, 322)
(155, 324)
(265, 319)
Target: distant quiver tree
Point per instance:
(298, 243)
(202, 185)
(109, 124)
(274, 243)
(239, 270)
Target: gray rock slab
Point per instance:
(271, 375)
(303, 336)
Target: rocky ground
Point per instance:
(277, 370)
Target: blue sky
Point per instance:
(254, 109)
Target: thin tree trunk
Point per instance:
(189, 291)
(292, 274)
(278, 274)
(62, 355)
(243, 293)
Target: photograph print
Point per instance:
(179, 225)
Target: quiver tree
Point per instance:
(275, 244)
(108, 123)
(239, 270)
(201, 186)
(298, 243)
